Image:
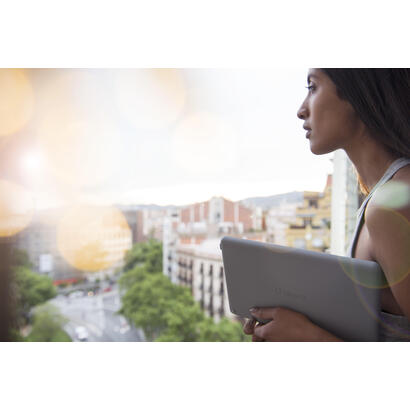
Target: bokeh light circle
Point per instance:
(93, 238)
(382, 318)
(392, 195)
(150, 98)
(79, 151)
(359, 276)
(76, 130)
(16, 100)
(387, 201)
(16, 208)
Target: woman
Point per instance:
(366, 112)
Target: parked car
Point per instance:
(81, 333)
(76, 294)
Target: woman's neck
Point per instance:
(370, 158)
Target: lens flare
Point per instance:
(16, 208)
(150, 98)
(360, 277)
(204, 143)
(93, 238)
(400, 267)
(393, 195)
(77, 151)
(382, 318)
(75, 129)
(16, 101)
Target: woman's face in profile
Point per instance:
(330, 121)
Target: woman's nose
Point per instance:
(302, 112)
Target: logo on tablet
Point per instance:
(288, 293)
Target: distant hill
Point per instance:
(266, 202)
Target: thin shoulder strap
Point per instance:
(393, 168)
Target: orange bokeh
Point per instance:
(16, 208)
(93, 238)
(16, 100)
(150, 98)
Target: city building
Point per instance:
(214, 217)
(311, 228)
(345, 202)
(194, 223)
(169, 244)
(70, 244)
(135, 220)
(39, 240)
(278, 219)
(200, 268)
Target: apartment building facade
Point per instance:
(312, 226)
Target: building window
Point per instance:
(307, 221)
(318, 242)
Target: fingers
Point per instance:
(249, 326)
(257, 338)
(260, 332)
(264, 313)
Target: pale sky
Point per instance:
(168, 136)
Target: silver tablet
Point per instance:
(339, 294)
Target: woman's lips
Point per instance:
(308, 134)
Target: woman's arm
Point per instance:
(389, 233)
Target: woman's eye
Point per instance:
(310, 87)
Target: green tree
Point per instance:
(182, 322)
(30, 289)
(48, 325)
(164, 311)
(132, 276)
(20, 258)
(224, 331)
(147, 302)
(148, 253)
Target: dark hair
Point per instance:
(381, 99)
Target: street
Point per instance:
(97, 314)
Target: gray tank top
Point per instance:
(392, 328)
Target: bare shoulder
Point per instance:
(387, 220)
(403, 174)
(392, 200)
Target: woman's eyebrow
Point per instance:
(311, 76)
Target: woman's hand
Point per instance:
(285, 326)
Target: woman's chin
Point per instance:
(318, 149)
